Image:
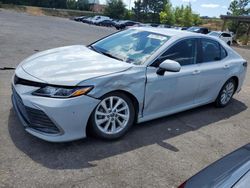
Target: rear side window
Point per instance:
(212, 51)
(226, 35)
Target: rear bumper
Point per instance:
(70, 116)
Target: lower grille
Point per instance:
(40, 121)
(35, 118)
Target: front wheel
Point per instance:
(113, 116)
(226, 93)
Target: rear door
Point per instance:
(213, 70)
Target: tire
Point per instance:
(112, 120)
(229, 43)
(226, 93)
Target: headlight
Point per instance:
(62, 92)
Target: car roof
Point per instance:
(169, 32)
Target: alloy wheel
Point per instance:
(227, 93)
(112, 115)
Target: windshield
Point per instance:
(216, 34)
(132, 46)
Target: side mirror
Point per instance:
(168, 65)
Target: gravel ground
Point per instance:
(159, 153)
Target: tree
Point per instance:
(187, 16)
(71, 4)
(167, 15)
(196, 19)
(237, 8)
(83, 4)
(138, 9)
(115, 9)
(178, 13)
(155, 7)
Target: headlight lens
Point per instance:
(61, 92)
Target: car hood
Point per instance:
(70, 65)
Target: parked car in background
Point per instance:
(135, 75)
(164, 26)
(106, 23)
(181, 28)
(100, 19)
(232, 171)
(125, 23)
(87, 20)
(80, 18)
(202, 30)
(225, 36)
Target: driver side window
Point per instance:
(184, 52)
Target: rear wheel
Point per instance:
(113, 116)
(226, 93)
(229, 43)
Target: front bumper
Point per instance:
(70, 116)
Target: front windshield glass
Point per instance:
(132, 46)
(216, 34)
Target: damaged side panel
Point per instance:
(132, 81)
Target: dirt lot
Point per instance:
(159, 153)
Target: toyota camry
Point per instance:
(128, 77)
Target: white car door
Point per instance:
(173, 91)
(213, 70)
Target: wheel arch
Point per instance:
(128, 94)
(236, 79)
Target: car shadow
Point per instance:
(79, 154)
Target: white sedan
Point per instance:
(225, 36)
(129, 77)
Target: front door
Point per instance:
(173, 91)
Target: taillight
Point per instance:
(245, 64)
(183, 185)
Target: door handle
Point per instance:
(196, 72)
(226, 66)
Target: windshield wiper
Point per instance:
(110, 55)
(105, 53)
(93, 48)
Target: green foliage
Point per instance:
(137, 10)
(167, 15)
(238, 8)
(196, 19)
(83, 4)
(178, 13)
(128, 15)
(115, 9)
(148, 10)
(181, 16)
(187, 17)
(71, 4)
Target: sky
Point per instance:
(203, 7)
